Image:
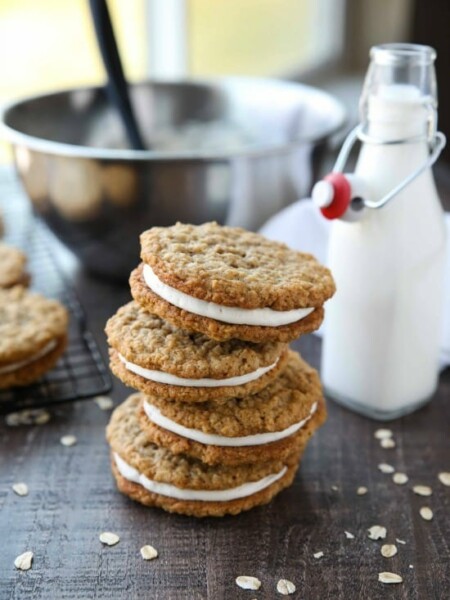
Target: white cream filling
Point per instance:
(155, 415)
(227, 314)
(169, 379)
(23, 363)
(167, 489)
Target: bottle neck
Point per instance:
(382, 165)
(382, 131)
(399, 112)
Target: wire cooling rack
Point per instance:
(80, 373)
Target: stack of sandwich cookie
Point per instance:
(225, 410)
(33, 335)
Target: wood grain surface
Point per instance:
(72, 499)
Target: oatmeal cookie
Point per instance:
(228, 282)
(13, 264)
(33, 335)
(158, 358)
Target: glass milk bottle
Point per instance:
(387, 243)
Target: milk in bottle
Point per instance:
(383, 327)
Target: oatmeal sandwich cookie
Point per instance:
(153, 476)
(33, 335)
(269, 425)
(12, 267)
(157, 358)
(228, 283)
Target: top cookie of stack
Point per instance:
(227, 283)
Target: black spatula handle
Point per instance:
(117, 86)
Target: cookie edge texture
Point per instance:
(193, 394)
(218, 330)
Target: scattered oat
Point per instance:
(108, 538)
(400, 478)
(68, 440)
(21, 489)
(104, 402)
(377, 532)
(12, 419)
(388, 550)
(29, 416)
(248, 583)
(148, 552)
(285, 587)
(23, 561)
(426, 513)
(335, 488)
(318, 554)
(362, 491)
(349, 535)
(383, 434)
(387, 577)
(385, 468)
(422, 490)
(42, 417)
(387, 443)
(400, 541)
(444, 478)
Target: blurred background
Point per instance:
(50, 44)
(269, 140)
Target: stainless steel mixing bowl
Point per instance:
(267, 139)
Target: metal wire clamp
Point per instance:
(436, 146)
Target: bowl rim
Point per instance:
(46, 146)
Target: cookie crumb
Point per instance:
(388, 550)
(377, 532)
(108, 538)
(387, 577)
(246, 582)
(68, 440)
(387, 443)
(21, 489)
(349, 535)
(385, 468)
(426, 513)
(361, 491)
(444, 478)
(104, 402)
(148, 552)
(422, 490)
(400, 478)
(400, 541)
(23, 561)
(318, 554)
(383, 434)
(285, 587)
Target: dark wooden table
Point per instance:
(72, 499)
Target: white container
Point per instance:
(384, 325)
